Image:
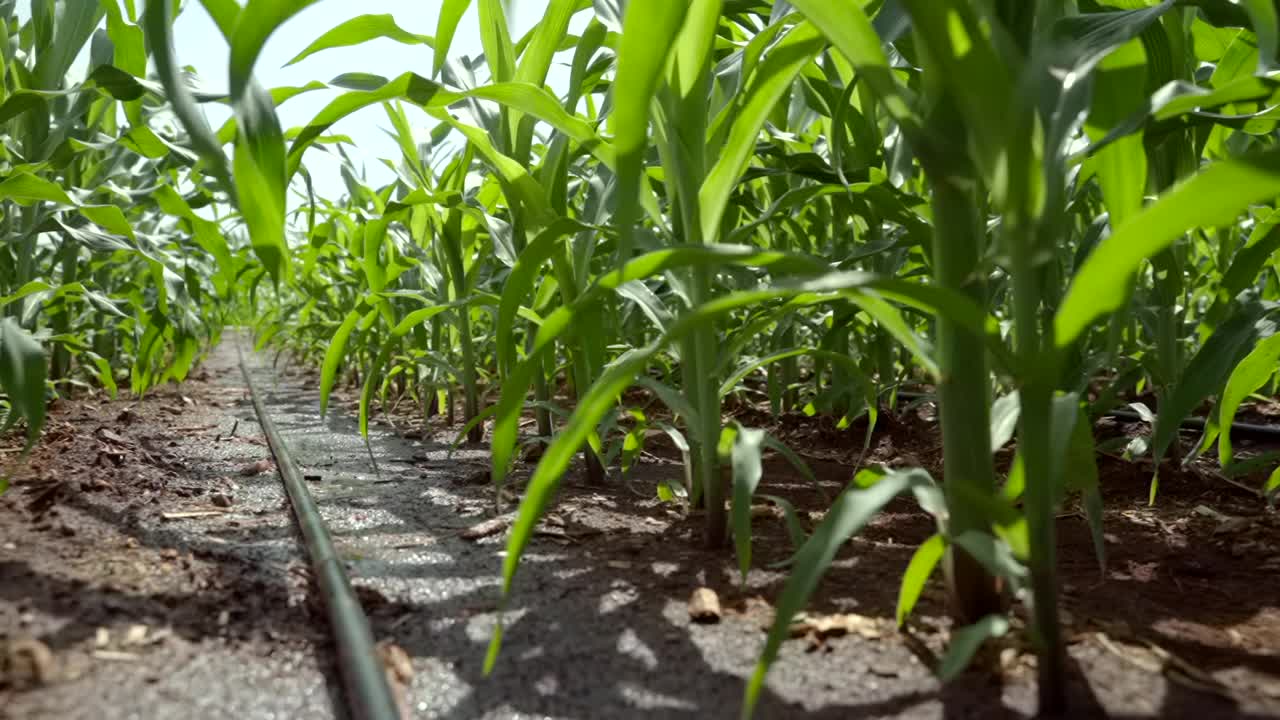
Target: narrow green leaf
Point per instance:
(25, 188)
(846, 25)
(22, 374)
(1252, 373)
(850, 512)
(359, 30)
(1213, 198)
(254, 24)
(451, 13)
(965, 643)
(747, 469)
(773, 78)
(1206, 373)
(338, 348)
(923, 561)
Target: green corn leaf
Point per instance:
(774, 76)
(128, 41)
(846, 25)
(359, 30)
(650, 31)
(1122, 165)
(224, 14)
(923, 561)
(451, 12)
(259, 170)
(25, 188)
(965, 643)
(1213, 198)
(851, 511)
(847, 363)
(545, 41)
(254, 24)
(337, 349)
(1249, 260)
(747, 469)
(520, 186)
(279, 95)
(992, 554)
(499, 53)
(158, 23)
(1252, 373)
(427, 94)
(1004, 419)
(675, 400)
(795, 530)
(22, 374)
(976, 78)
(1207, 371)
(76, 22)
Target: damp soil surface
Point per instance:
(150, 568)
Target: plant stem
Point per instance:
(963, 389)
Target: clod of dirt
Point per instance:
(221, 500)
(27, 663)
(704, 606)
(256, 468)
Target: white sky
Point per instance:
(200, 45)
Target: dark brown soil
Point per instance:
(82, 572)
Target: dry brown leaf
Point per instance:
(398, 667)
(824, 626)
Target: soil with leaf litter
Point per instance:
(149, 568)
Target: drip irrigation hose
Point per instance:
(368, 694)
(1192, 423)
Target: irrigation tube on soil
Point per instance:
(368, 695)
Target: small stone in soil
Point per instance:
(221, 500)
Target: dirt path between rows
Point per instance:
(147, 547)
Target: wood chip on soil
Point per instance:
(255, 468)
(484, 529)
(704, 606)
